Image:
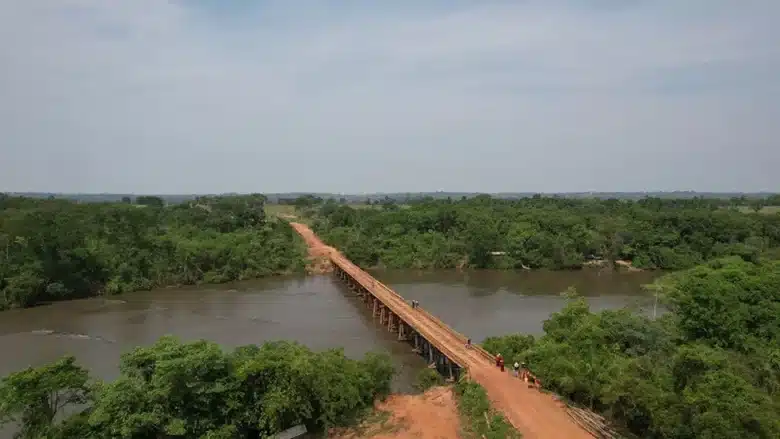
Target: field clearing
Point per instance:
(288, 209)
(769, 210)
(279, 209)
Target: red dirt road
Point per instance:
(534, 414)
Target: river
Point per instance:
(315, 310)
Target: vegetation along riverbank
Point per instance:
(710, 368)
(545, 232)
(196, 390)
(61, 249)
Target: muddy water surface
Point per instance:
(486, 303)
(315, 310)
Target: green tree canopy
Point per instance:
(57, 249)
(710, 368)
(196, 390)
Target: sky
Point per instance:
(214, 96)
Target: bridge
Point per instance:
(536, 415)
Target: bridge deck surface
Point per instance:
(534, 414)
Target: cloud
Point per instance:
(149, 96)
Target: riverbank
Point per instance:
(546, 232)
(58, 250)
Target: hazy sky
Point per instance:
(149, 96)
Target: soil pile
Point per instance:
(432, 415)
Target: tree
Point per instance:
(555, 232)
(196, 390)
(58, 249)
(709, 368)
(34, 397)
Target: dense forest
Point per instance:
(196, 390)
(60, 249)
(547, 232)
(710, 368)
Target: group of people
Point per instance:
(415, 304)
(518, 369)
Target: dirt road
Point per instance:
(534, 414)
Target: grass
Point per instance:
(769, 210)
(480, 420)
(279, 209)
(287, 209)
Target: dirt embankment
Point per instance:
(318, 265)
(432, 415)
(318, 261)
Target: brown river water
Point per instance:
(314, 310)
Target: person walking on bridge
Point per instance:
(516, 369)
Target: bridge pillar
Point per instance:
(392, 319)
(382, 314)
(401, 331)
(430, 353)
(376, 307)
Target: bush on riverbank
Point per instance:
(481, 420)
(195, 390)
(709, 368)
(59, 249)
(427, 378)
(543, 232)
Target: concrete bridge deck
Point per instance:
(534, 414)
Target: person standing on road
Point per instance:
(516, 369)
(498, 359)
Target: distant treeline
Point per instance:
(292, 198)
(548, 232)
(60, 249)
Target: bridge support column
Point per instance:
(382, 314)
(401, 330)
(391, 321)
(430, 353)
(376, 307)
